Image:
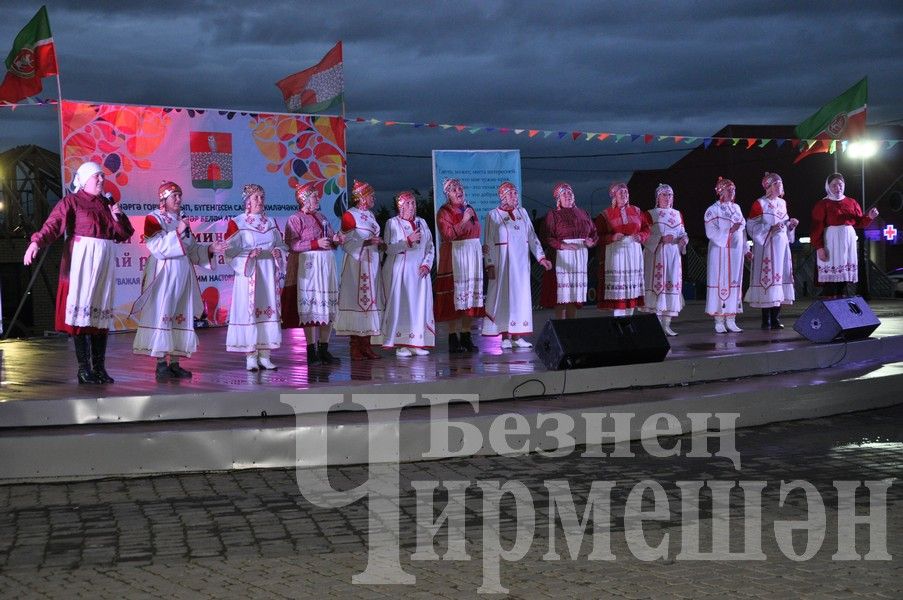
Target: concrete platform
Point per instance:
(225, 418)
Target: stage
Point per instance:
(227, 418)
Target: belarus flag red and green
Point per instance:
(32, 58)
(318, 89)
(840, 119)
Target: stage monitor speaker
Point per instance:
(602, 342)
(841, 319)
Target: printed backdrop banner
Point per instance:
(211, 154)
(480, 172)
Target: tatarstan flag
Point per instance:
(32, 57)
(317, 89)
(841, 118)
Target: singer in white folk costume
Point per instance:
(407, 292)
(311, 291)
(509, 241)
(92, 223)
(772, 231)
(663, 271)
(256, 253)
(358, 314)
(726, 229)
(170, 298)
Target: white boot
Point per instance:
(719, 325)
(251, 362)
(666, 326)
(732, 325)
(263, 357)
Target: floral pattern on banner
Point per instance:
(305, 149)
(121, 138)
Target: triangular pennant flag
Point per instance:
(735, 140)
(532, 132)
(662, 138)
(359, 120)
(809, 143)
(474, 129)
(750, 142)
(764, 142)
(833, 146)
(590, 136)
(648, 138)
(634, 137)
(706, 142)
(444, 126)
(390, 123)
(619, 137)
(490, 129)
(374, 121)
(518, 131)
(460, 127)
(504, 130)
(546, 134)
(677, 138)
(892, 143)
(719, 141)
(433, 124)
(779, 142)
(575, 135)
(561, 134)
(416, 125)
(602, 136)
(794, 143)
(692, 140)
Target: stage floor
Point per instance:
(39, 373)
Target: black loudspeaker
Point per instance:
(602, 342)
(841, 319)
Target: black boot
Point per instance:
(325, 357)
(177, 371)
(467, 343)
(98, 358)
(83, 356)
(775, 322)
(312, 357)
(454, 346)
(766, 318)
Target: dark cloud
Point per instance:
(659, 67)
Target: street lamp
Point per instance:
(863, 150)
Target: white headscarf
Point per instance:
(828, 181)
(84, 172)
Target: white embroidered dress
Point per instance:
(663, 271)
(510, 240)
(771, 278)
(358, 312)
(408, 308)
(254, 318)
(725, 259)
(170, 298)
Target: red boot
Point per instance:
(356, 353)
(367, 349)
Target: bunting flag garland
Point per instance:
(747, 143)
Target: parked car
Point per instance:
(897, 277)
